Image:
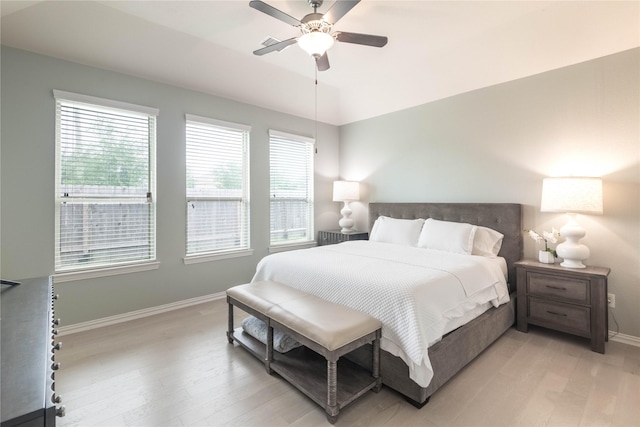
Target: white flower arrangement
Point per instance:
(547, 237)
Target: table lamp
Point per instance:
(572, 195)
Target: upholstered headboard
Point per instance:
(503, 217)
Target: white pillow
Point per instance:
(398, 231)
(456, 237)
(487, 242)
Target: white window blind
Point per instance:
(105, 183)
(291, 184)
(217, 186)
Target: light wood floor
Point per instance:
(177, 369)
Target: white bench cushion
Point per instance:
(329, 324)
(261, 296)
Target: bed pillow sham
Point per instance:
(456, 237)
(395, 230)
(487, 242)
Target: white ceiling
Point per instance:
(436, 49)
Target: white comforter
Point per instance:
(418, 294)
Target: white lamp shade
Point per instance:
(346, 191)
(572, 194)
(315, 43)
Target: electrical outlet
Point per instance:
(611, 298)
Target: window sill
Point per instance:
(195, 259)
(292, 246)
(104, 272)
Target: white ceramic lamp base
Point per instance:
(572, 251)
(346, 222)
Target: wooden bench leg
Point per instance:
(230, 325)
(269, 347)
(376, 362)
(332, 408)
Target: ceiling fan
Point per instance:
(316, 28)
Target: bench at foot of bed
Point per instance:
(327, 330)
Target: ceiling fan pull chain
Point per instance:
(316, 106)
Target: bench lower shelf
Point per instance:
(307, 371)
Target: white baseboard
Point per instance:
(138, 314)
(624, 339)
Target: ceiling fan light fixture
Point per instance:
(315, 43)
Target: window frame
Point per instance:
(310, 230)
(224, 253)
(69, 273)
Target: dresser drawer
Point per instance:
(570, 318)
(567, 289)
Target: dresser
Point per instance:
(570, 300)
(28, 354)
(336, 236)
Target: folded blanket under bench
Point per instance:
(282, 342)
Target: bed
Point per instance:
(423, 344)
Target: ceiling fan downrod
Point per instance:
(315, 4)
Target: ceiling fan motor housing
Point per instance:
(312, 17)
(314, 22)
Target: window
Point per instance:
(217, 186)
(291, 177)
(105, 183)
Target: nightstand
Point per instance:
(336, 236)
(565, 299)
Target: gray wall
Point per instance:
(494, 144)
(27, 184)
(497, 144)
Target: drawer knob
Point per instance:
(556, 287)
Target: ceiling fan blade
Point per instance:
(365, 39)
(323, 62)
(276, 46)
(272, 11)
(338, 10)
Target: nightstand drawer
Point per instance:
(565, 299)
(567, 289)
(570, 318)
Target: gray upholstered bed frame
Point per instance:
(462, 345)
